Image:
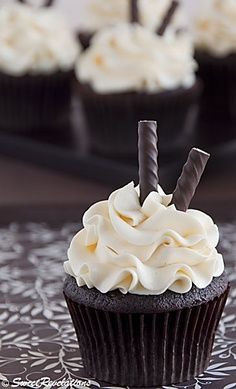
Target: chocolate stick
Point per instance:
(47, 3)
(189, 179)
(134, 14)
(148, 166)
(167, 18)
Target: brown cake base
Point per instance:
(133, 340)
(32, 103)
(112, 118)
(218, 104)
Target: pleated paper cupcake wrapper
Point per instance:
(218, 104)
(35, 102)
(146, 349)
(112, 118)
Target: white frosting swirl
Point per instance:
(215, 27)
(102, 13)
(128, 57)
(35, 41)
(144, 250)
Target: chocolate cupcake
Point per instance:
(119, 335)
(37, 56)
(128, 72)
(99, 14)
(146, 286)
(214, 31)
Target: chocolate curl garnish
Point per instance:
(167, 18)
(134, 14)
(147, 153)
(189, 179)
(47, 3)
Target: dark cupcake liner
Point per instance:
(218, 102)
(142, 349)
(32, 103)
(112, 118)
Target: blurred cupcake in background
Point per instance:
(102, 13)
(37, 56)
(128, 73)
(215, 41)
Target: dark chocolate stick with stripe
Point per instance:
(167, 18)
(134, 11)
(148, 153)
(189, 179)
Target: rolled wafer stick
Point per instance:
(134, 12)
(148, 153)
(189, 179)
(167, 18)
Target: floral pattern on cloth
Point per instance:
(37, 338)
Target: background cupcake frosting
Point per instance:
(129, 57)
(100, 13)
(215, 27)
(34, 40)
(144, 250)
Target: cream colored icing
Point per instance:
(215, 27)
(144, 249)
(128, 57)
(35, 40)
(102, 13)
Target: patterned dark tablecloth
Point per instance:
(37, 337)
